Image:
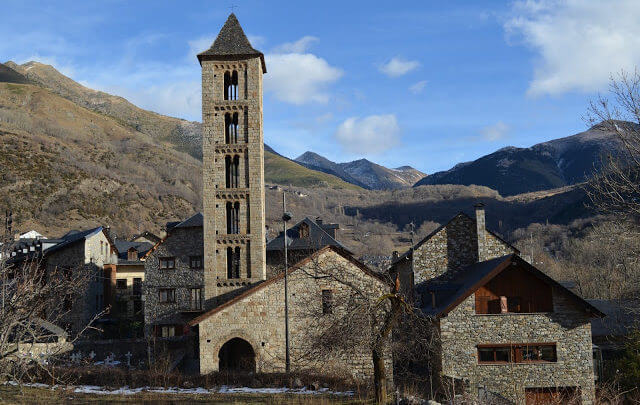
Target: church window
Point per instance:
(231, 85)
(232, 168)
(231, 128)
(233, 262)
(233, 218)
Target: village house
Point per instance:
(507, 331)
(174, 279)
(303, 238)
(123, 279)
(91, 250)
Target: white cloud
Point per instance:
(495, 132)
(299, 78)
(199, 45)
(299, 46)
(398, 67)
(369, 135)
(256, 41)
(579, 43)
(418, 87)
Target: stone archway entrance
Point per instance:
(237, 355)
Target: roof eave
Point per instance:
(207, 56)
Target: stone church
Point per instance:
(206, 281)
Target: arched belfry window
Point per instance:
(233, 218)
(231, 85)
(233, 262)
(231, 128)
(232, 169)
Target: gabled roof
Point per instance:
(195, 220)
(72, 237)
(232, 43)
(451, 292)
(147, 235)
(123, 246)
(619, 321)
(342, 252)
(407, 254)
(318, 238)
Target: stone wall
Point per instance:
(568, 326)
(259, 319)
(250, 189)
(453, 247)
(182, 243)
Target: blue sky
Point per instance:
(421, 83)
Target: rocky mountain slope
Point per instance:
(544, 166)
(67, 166)
(363, 172)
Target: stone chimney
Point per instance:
(480, 231)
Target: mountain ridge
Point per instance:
(546, 165)
(363, 172)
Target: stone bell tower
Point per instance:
(233, 162)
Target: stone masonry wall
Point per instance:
(568, 326)
(453, 247)
(182, 243)
(250, 190)
(259, 320)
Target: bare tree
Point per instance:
(615, 188)
(358, 317)
(34, 303)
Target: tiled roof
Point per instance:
(317, 239)
(620, 319)
(453, 288)
(231, 43)
(193, 221)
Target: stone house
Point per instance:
(93, 250)
(303, 238)
(507, 331)
(174, 279)
(247, 332)
(124, 279)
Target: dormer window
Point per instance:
(231, 85)
(304, 230)
(132, 254)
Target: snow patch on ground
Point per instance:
(96, 390)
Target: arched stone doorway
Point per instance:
(237, 355)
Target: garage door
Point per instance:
(553, 396)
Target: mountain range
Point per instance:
(557, 163)
(362, 172)
(74, 157)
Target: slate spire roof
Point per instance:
(231, 44)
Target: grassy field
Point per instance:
(29, 395)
